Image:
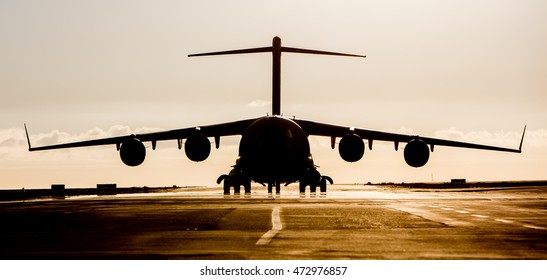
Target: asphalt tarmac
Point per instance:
(349, 222)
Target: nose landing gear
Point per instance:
(277, 188)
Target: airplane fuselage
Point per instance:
(274, 149)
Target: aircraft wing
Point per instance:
(333, 131)
(216, 130)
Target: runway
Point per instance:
(350, 222)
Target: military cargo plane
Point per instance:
(274, 149)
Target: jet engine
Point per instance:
(416, 153)
(197, 147)
(132, 152)
(351, 148)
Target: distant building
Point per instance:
(458, 181)
(106, 186)
(106, 189)
(58, 187)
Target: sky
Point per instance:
(463, 70)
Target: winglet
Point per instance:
(28, 138)
(522, 139)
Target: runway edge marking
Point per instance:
(276, 227)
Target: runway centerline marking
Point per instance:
(534, 227)
(480, 216)
(276, 227)
(504, 221)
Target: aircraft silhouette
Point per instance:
(274, 149)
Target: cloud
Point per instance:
(535, 138)
(15, 137)
(53, 137)
(259, 103)
(12, 137)
(406, 130)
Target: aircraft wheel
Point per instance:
(226, 186)
(302, 187)
(247, 187)
(323, 185)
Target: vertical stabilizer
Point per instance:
(276, 76)
(276, 49)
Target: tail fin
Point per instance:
(276, 49)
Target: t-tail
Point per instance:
(276, 49)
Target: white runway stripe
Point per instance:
(276, 227)
(480, 216)
(534, 227)
(504, 221)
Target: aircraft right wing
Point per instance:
(416, 151)
(322, 129)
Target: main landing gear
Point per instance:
(313, 179)
(322, 184)
(235, 179)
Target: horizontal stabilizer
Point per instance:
(270, 49)
(253, 50)
(295, 50)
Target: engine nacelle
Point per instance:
(416, 153)
(197, 147)
(132, 152)
(351, 148)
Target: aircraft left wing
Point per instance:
(217, 130)
(333, 131)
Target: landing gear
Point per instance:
(247, 187)
(314, 179)
(235, 179)
(323, 183)
(277, 188)
(302, 186)
(226, 184)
